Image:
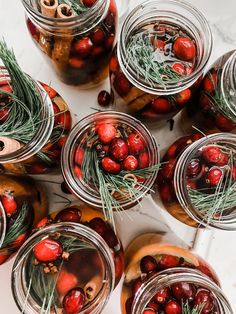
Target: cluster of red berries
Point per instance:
(167, 42)
(169, 300)
(166, 174)
(209, 99)
(118, 148)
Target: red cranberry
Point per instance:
(148, 264)
(183, 96)
(224, 124)
(74, 301)
(212, 154)
(194, 168)
(65, 120)
(78, 172)
(9, 204)
(76, 63)
(191, 184)
(166, 193)
(168, 169)
(129, 305)
(172, 307)
(113, 65)
(184, 48)
(122, 85)
(110, 238)
(204, 297)
(83, 46)
(137, 285)
(214, 176)
(119, 149)
(161, 105)
(4, 114)
(110, 41)
(130, 163)
(42, 223)
(56, 111)
(50, 91)
(98, 225)
(106, 132)
(98, 36)
(179, 67)
(104, 98)
(47, 250)
(197, 136)
(65, 282)
(183, 290)
(162, 296)
(168, 261)
(119, 264)
(143, 160)
(223, 160)
(79, 156)
(136, 145)
(154, 306)
(149, 311)
(209, 82)
(70, 214)
(159, 44)
(234, 172)
(7, 88)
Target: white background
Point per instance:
(218, 247)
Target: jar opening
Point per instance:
(156, 75)
(166, 278)
(209, 164)
(18, 146)
(82, 249)
(87, 191)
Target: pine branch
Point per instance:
(187, 309)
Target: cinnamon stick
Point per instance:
(92, 288)
(48, 8)
(62, 44)
(8, 145)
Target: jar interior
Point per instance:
(154, 20)
(41, 283)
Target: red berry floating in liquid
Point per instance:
(183, 96)
(184, 49)
(183, 290)
(47, 250)
(209, 82)
(148, 264)
(118, 149)
(136, 145)
(162, 296)
(110, 238)
(179, 67)
(98, 225)
(168, 261)
(74, 301)
(83, 47)
(122, 85)
(9, 204)
(224, 124)
(204, 297)
(104, 98)
(194, 168)
(98, 36)
(130, 163)
(161, 105)
(172, 307)
(168, 169)
(110, 166)
(214, 176)
(106, 132)
(70, 214)
(79, 156)
(137, 285)
(143, 160)
(212, 154)
(65, 282)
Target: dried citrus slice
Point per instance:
(150, 244)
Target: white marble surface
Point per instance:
(217, 247)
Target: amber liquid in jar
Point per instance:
(79, 57)
(23, 204)
(146, 258)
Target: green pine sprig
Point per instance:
(142, 58)
(187, 309)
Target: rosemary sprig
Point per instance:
(19, 227)
(186, 308)
(113, 188)
(149, 64)
(75, 5)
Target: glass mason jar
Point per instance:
(78, 46)
(73, 261)
(163, 278)
(51, 126)
(110, 161)
(22, 204)
(159, 60)
(214, 108)
(197, 180)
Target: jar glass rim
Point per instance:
(18, 271)
(43, 133)
(168, 277)
(3, 224)
(67, 160)
(180, 182)
(154, 6)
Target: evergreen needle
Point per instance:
(187, 309)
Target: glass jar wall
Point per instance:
(77, 41)
(159, 60)
(214, 108)
(22, 205)
(197, 180)
(110, 161)
(163, 278)
(32, 134)
(75, 258)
